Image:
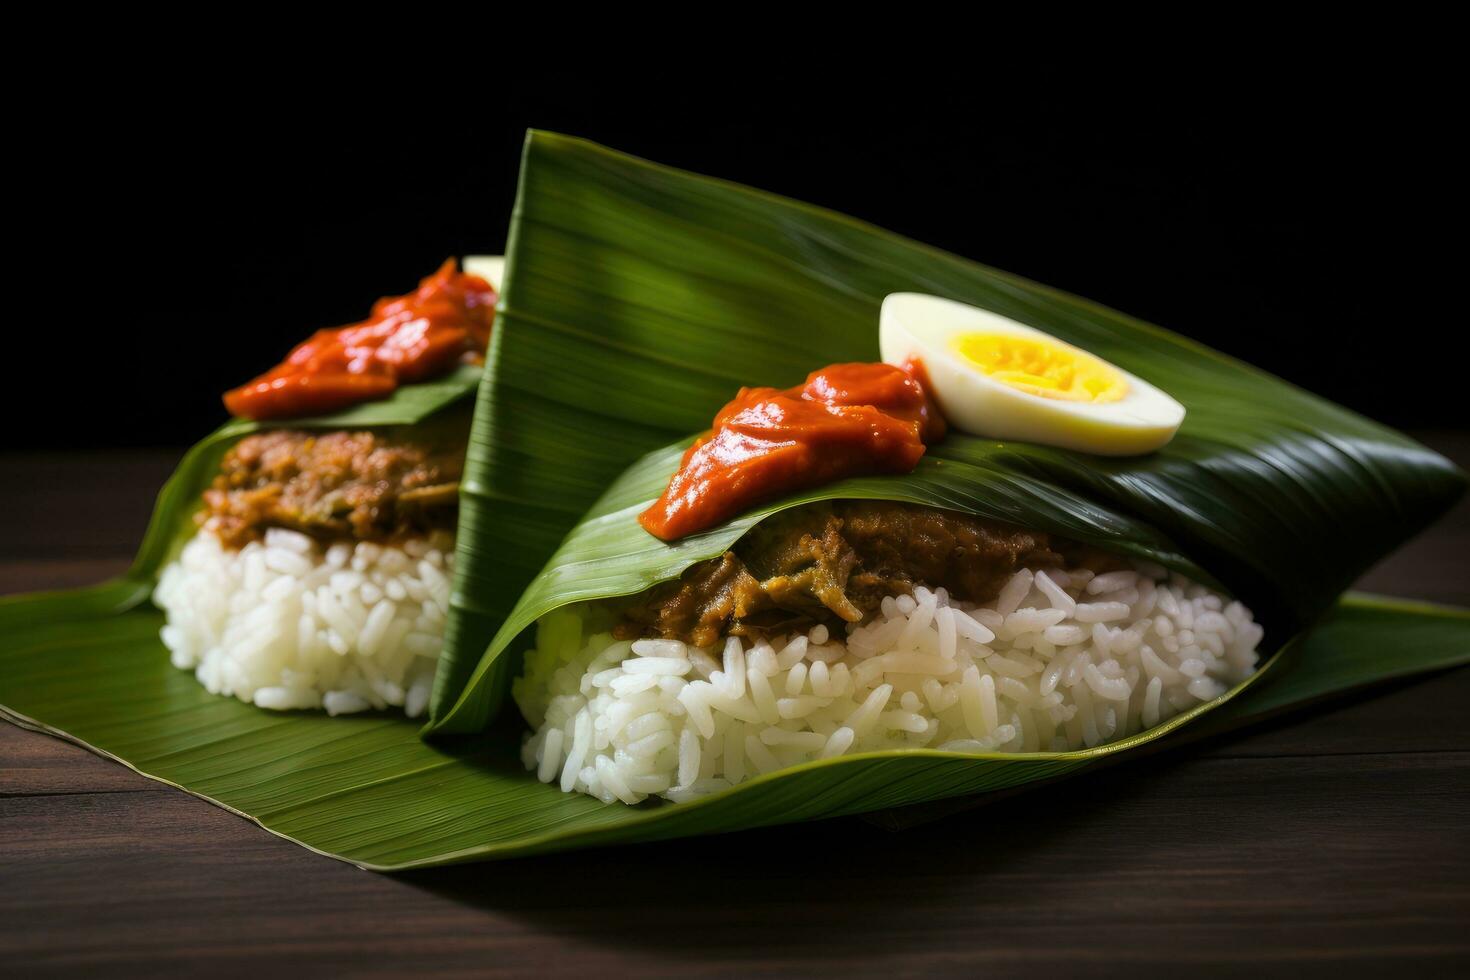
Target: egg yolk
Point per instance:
(1050, 370)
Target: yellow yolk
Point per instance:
(1036, 367)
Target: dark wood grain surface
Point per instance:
(1336, 842)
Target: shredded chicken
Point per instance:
(359, 485)
(833, 563)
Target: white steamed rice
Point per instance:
(1060, 660)
(286, 623)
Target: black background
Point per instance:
(182, 245)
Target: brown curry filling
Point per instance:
(334, 485)
(833, 563)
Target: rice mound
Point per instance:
(1060, 660)
(288, 624)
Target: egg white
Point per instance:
(490, 268)
(919, 327)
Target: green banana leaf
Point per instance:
(367, 789)
(640, 298)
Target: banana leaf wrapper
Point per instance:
(640, 298)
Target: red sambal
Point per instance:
(847, 420)
(408, 338)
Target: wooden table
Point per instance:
(1335, 842)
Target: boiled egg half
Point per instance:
(1000, 379)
